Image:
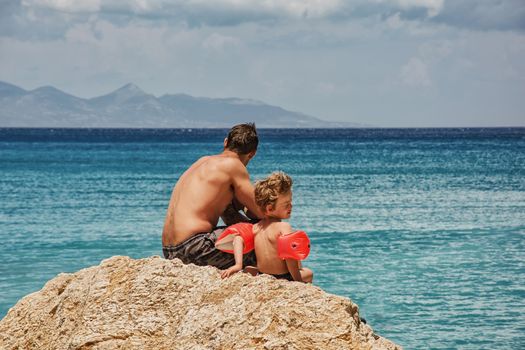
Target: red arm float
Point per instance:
(295, 245)
(243, 229)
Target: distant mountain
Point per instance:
(131, 107)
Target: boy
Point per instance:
(273, 195)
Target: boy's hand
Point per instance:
(230, 271)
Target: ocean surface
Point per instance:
(423, 228)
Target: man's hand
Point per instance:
(230, 271)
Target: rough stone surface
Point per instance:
(154, 303)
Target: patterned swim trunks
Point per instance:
(200, 250)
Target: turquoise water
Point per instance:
(423, 228)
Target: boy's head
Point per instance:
(274, 195)
(242, 139)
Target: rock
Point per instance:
(155, 303)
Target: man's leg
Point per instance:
(200, 250)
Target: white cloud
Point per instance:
(300, 8)
(433, 7)
(415, 73)
(220, 42)
(486, 14)
(292, 8)
(326, 88)
(81, 33)
(144, 6)
(435, 51)
(66, 5)
(335, 65)
(395, 21)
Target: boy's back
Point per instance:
(266, 233)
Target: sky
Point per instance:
(386, 63)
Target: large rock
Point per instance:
(159, 304)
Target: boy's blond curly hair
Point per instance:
(267, 190)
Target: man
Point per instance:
(206, 191)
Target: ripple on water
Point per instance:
(423, 229)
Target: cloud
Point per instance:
(394, 21)
(331, 59)
(415, 73)
(480, 15)
(66, 5)
(484, 14)
(220, 42)
(26, 23)
(433, 7)
(52, 19)
(435, 51)
(247, 8)
(82, 34)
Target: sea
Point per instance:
(423, 228)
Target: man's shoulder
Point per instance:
(217, 160)
(228, 163)
(201, 160)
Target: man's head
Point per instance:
(274, 195)
(242, 139)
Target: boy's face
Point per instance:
(283, 206)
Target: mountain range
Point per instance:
(131, 107)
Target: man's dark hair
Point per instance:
(242, 138)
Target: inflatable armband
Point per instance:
(243, 229)
(295, 246)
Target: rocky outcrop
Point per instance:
(154, 303)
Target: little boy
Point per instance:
(273, 195)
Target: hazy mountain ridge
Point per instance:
(130, 107)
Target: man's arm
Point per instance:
(243, 189)
(232, 216)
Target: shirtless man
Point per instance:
(206, 191)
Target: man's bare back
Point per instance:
(202, 194)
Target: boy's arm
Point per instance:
(294, 267)
(238, 246)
